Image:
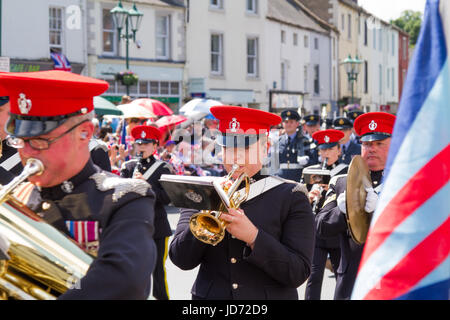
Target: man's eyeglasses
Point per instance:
(37, 143)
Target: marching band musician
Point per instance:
(268, 246)
(51, 120)
(293, 147)
(348, 146)
(146, 167)
(330, 152)
(10, 165)
(375, 129)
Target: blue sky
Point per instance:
(391, 9)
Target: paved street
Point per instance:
(180, 282)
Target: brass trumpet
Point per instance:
(206, 225)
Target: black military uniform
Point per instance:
(125, 224)
(351, 148)
(162, 226)
(278, 259)
(114, 216)
(99, 154)
(151, 170)
(294, 151)
(352, 117)
(324, 246)
(10, 164)
(330, 221)
(279, 263)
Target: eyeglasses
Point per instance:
(37, 143)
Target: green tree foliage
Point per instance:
(410, 21)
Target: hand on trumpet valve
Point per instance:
(240, 226)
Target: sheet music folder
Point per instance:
(191, 192)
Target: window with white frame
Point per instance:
(252, 6)
(283, 76)
(306, 41)
(283, 36)
(295, 38)
(349, 26)
(305, 78)
(216, 4)
(217, 54)
(109, 45)
(392, 81)
(163, 36)
(252, 57)
(316, 43)
(55, 20)
(380, 85)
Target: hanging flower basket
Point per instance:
(127, 78)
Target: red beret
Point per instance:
(327, 138)
(245, 122)
(43, 100)
(145, 134)
(240, 120)
(374, 126)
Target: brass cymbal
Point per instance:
(358, 178)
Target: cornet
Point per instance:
(206, 225)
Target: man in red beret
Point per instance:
(148, 168)
(330, 156)
(375, 130)
(267, 250)
(50, 120)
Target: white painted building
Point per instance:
(226, 51)
(304, 55)
(157, 56)
(378, 80)
(31, 29)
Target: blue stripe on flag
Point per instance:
(426, 65)
(435, 291)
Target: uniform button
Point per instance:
(235, 286)
(233, 260)
(45, 206)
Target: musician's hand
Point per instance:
(371, 200)
(341, 202)
(240, 226)
(313, 194)
(138, 175)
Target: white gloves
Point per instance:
(302, 160)
(371, 200)
(341, 202)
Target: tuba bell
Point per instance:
(37, 262)
(206, 225)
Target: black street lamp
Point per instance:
(125, 18)
(352, 67)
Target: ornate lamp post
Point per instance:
(352, 67)
(123, 19)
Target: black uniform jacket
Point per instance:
(330, 221)
(353, 149)
(10, 164)
(279, 263)
(124, 211)
(162, 225)
(323, 241)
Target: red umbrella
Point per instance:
(170, 120)
(155, 106)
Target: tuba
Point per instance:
(206, 225)
(37, 262)
(358, 220)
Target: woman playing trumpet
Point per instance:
(267, 250)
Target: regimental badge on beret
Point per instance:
(24, 103)
(355, 115)
(288, 113)
(311, 118)
(372, 125)
(234, 125)
(341, 121)
(326, 139)
(143, 134)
